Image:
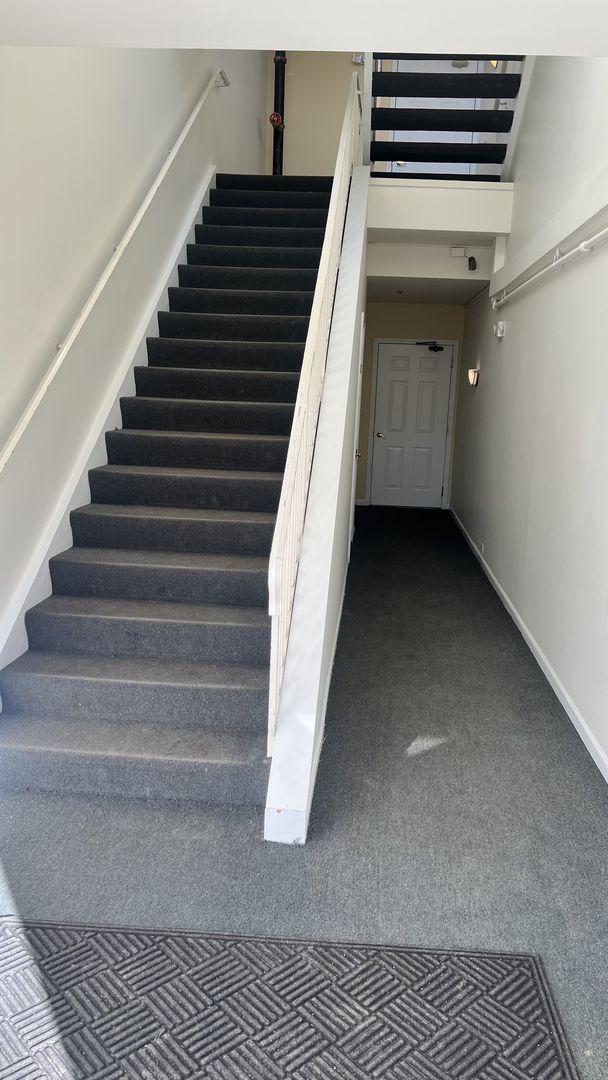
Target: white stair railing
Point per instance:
(287, 540)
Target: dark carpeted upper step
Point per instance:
(264, 216)
(488, 177)
(442, 119)
(482, 153)
(305, 200)
(240, 301)
(197, 449)
(147, 628)
(161, 575)
(223, 254)
(413, 84)
(235, 355)
(196, 324)
(153, 485)
(253, 236)
(160, 528)
(216, 385)
(217, 696)
(253, 182)
(133, 758)
(224, 417)
(258, 278)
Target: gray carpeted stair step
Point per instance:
(235, 355)
(149, 628)
(268, 216)
(240, 301)
(160, 528)
(254, 182)
(259, 236)
(132, 759)
(216, 385)
(216, 254)
(150, 485)
(261, 197)
(270, 278)
(177, 324)
(161, 575)
(178, 414)
(197, 449)
(217, 696)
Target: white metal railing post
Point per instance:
(287, 539)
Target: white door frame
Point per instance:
(449, 438)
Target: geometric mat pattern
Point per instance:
(84, 1002)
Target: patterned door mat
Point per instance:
(82, 1002)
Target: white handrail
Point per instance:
(285, 553)
(559, 260)
(217, 80)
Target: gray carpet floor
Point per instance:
(455, 805)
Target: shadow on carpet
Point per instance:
(80, 1002)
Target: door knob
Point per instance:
(380, 435)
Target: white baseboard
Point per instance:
(584, 731)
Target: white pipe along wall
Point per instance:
(531, 459)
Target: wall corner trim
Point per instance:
(580, 724)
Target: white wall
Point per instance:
(535, 27)
(67, 224)
(532, 440)
(84, 131)
(562, 141)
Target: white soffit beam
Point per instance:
(437, 207)
(541, 28)
(428, 261)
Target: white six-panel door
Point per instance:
(410, 424)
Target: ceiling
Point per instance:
(540, 27)
(423, 290)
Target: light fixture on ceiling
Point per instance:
(473, 374)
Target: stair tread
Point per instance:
(150, 740)
(245, 292)
(239, 517)
(162, 559)
(112, 669)
(220, 373)
(157, 610)
(211, 401)
(169, 471)
(178, 434)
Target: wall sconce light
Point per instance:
(473, 376)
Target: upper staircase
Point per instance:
(147, 670)
(420, 101)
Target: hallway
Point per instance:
(455, 805)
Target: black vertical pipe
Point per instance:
(278, 121)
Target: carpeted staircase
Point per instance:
(147, 672)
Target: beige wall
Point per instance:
(441, 321)
(316, 87)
